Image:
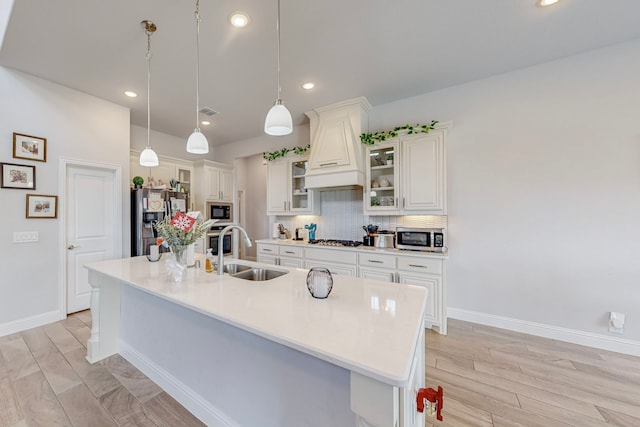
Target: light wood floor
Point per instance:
(491, 377)
(46, 381)
(494, 377)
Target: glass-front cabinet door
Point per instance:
(300, 196)
(381, 192)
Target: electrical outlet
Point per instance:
(25, 236)
(616, 322)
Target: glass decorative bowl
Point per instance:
(319, 282)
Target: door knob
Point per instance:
(72, 247)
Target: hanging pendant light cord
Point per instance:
(197, 13)
(278, 31)
(148, 88)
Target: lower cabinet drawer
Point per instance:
(267, 249)
(331, 255)
(291, 251)
(420, 265)
(377, 260)
(345, 270)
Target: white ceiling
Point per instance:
(382, 49)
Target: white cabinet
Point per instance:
(214, 183)
(288, 256)
(393, 266)
(286, 190)
(410, 270)
(414, 182)
(377, 266)
(184, 175)
(428, 273)
(218, 184)
(338, 261)
(382, 178)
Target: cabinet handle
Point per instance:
(288, 252)
(375, 261)
(417, 265)
(403, 202)
(267, 250)
(396, 202)
(328, 164)
(284, 206)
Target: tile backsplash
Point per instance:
(341, 217)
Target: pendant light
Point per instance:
(197, 142)
(148, 157)
(278, 121)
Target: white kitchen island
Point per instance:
(243, 353)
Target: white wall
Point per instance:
(543, 191)
(251, 176)
(77, 126)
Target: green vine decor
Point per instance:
(276, 154)
(372, 138)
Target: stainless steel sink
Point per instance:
(236, 268)
(259, 274)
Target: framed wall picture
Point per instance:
(29, 147)
(41, 206)
(18, 176)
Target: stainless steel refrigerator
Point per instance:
(149, 205)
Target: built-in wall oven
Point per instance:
(213, 238)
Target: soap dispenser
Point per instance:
(208, 264)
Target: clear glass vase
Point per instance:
(177, 264)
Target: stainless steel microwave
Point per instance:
(223, 212)
(420, 239)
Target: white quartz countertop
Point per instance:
(361, 248)
(365, 326)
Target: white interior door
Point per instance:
(90, 226)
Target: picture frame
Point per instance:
(29, 147)
(42, 206)
(21, 177)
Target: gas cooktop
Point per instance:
(335, 242)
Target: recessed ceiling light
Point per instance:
(308, 86)
(205, 122)
(545, 3)
(239, 19)
(130, 93)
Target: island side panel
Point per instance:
(227, 376)
(105, 316)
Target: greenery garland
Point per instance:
(276, 154)
(372, 138)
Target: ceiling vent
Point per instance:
(208, 111)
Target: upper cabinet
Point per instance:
(287, 193)
(216, 182)
(336, 154)
(407, 175)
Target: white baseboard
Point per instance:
(19, 325)
(605, 342)
(196, 404)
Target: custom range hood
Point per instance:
(336, 156)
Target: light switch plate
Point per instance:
(25, 236)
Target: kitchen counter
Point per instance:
(361, 248)
(370, 330)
